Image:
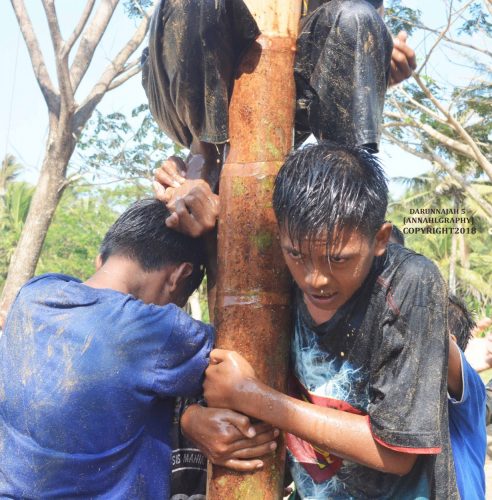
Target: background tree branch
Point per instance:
(90, 40)
(39, 66)
(113, 70)
(70, 42)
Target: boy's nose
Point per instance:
(316, 279)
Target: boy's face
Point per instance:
(329, 279)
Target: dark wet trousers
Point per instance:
(341, 69)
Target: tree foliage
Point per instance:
(447, 123)
(114, 147)
(68, 109)
(80, 222)
(446, 119)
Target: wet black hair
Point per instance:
(397, 235)
(460, 322)
(327, 187)
(141, 234)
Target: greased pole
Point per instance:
(253, 301)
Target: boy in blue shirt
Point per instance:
(89, 371)
(466, 405)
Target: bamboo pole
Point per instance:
(253, 288)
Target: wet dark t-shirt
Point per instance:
(384, 354)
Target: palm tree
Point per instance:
(15, 199)
(464, 258)
(9, 171)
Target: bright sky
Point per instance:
(23, 116)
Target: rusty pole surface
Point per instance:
(252, 309)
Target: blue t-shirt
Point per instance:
(468, 434)
(87, 385)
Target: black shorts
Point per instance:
(188, 71)
(341, 70)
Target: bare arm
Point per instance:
(231, 382)
(455, 378)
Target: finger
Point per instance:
(256, 451)
(262, 427)
(175, 168)
(218, 355)
(401, 61)
(195, 200)
(206, 211)
(159, 191)
(164, 178)
(242, 423)
(168, 194)
(187, 223)
(203, 211)
(172, 221)
(404, 52)
(179, 164)
(403, 36)
(409, 56)
(242, 465)
(259, 440)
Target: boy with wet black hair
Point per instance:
(89, 371)
(370, 348)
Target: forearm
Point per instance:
(211, 249)
(205, 162)
(343, 434)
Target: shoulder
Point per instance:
(180, 325)
(49, 279)
(403, 261)
(48, 282)
(411, 277)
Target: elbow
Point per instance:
(401, 465)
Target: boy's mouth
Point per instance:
(322, 299)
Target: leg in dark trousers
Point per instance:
(195, 46)
(342, 71)
(188, 70)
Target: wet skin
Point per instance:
(329, 277)
(231, 381)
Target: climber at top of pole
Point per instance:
(346, 59)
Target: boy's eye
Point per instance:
(294, 254)
(336, 259)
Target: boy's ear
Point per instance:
(381, 239)
(98, 262)
(180, 274)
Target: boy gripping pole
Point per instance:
(89, 371)
(366, 414)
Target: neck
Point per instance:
(319, 316)
(125, 276)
